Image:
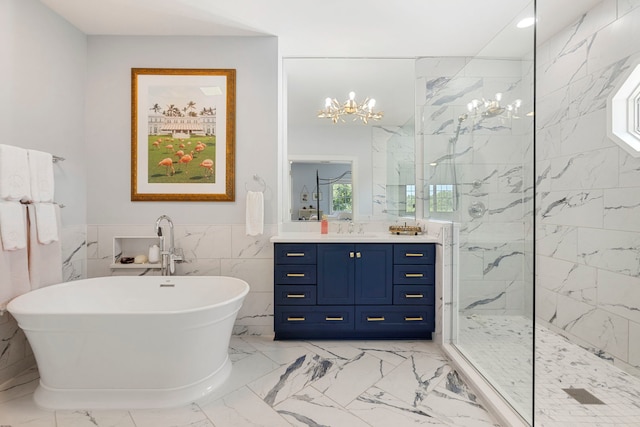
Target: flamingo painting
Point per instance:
(207, 164)
(186, 159)
(168, 164)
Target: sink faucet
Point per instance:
(169, 256)
(351, 225)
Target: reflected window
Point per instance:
(440, 198)
(410, 194)
(341, 197)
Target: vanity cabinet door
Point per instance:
(336, 273)
(374, 273)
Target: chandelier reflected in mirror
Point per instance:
(488, 108)
(337, 112)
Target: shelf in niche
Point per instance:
(131, 246)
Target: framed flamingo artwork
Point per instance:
(182, 134)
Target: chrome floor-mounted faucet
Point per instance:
(168, 254)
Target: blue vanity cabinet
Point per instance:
(355, 274)
(346, 290)
(336, 273)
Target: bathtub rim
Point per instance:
(17, 305)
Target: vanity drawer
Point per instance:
(414, 274)
(414, 294)
(313, 318)
(295, 294)
(416, 253)
(295, 275)
(295, 253)
(391, 318)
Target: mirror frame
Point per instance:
(311, 158)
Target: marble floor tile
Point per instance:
(106, 418)
(381, 409)
(184, 416)
(309, 407)
(352, 377)
(292, 383)
(242, 408)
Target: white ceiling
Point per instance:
(338, 29)
(335, 28)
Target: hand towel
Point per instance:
(13, 225)
(14, 173)
(45, 261)
(41, 176)
(46, 222)
(255, 213)
(14, 275)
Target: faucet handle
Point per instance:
(178, 254)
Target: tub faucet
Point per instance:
(169, 256)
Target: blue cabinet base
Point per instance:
(354, 291)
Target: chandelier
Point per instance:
(364, 111)
(487, 108)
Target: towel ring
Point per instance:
(261, 181)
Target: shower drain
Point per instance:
(583, 396)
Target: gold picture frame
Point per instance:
(183, 134)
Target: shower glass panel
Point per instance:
(477, 134)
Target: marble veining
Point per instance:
(295, 383)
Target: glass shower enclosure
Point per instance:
(476, 135)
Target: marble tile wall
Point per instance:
(588, 193)
(209, 250)
(486, 163)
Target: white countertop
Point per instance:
(381, 237)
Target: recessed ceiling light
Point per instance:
(526, 22)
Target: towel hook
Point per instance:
(57, 159)
(261, 181)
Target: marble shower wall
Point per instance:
(393, 166)
(209, 250)
(588, 191)
(486, 164)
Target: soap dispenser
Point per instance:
(324, 225)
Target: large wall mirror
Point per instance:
(383, 183)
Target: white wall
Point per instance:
(588, 233)
(43, 74)
(108, 123)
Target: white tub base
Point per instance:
(55, 399)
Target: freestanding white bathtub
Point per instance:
(130, 342)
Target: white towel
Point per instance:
(255, 213)
(13, 225)
(41, 176)
(46, 222)
(14, 275)
(14, 173)
(45, 261)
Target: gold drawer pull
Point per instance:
(413, 296)
(295, 295)
(295, 319)
(291, 254)
(375, 319)
(295, 274)
(413, 255)
(358, 255)
(413, 319)
(339, 319)
(414, 275)
(351, 254)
